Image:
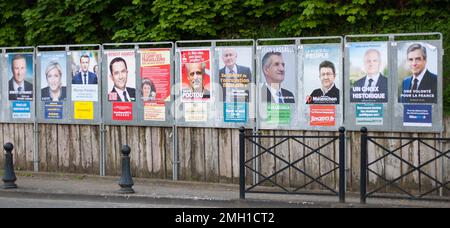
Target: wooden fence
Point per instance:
(209, 155)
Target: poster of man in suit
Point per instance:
(417, 71)
(84, 79)
(20, 75)
(121, 75)
(368, 72)
(278, 75)
(235, 74)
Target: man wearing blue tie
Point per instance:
(85, 76)
(421, 85)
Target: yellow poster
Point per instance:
(83, 110)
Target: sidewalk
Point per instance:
(95, 188)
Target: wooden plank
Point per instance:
(325, 164)
(157, 151)
(75, 149)
(267, 160)
(122, 140)
(249, 154)
(29, 146)
(19, 138)
(86, 149)
(132, 142)
(185, 153)
(63, 148)
(426, 155)
(168, 136)
(117, 154)
(296, 152)
(410, 154)
(110, 147)
(312, 162)
(393, 165)
(212, 155)
(148, 163)
(95, 136)
(42, 147)
(52, 147)
(235, 155)
(354, 145)
(198, 154)
(225, 166)
(282, 151)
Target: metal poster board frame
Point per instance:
(374, 113)
(57, 112)
(215, 110)
(138, 109)
(393, 111)
(97, 103)
(90, 115)
(402, 44)
(300, 116)
(25, 108)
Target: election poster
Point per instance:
(155, 75)
(195, 112)
(235, 78)
(85, 75)
(278, 78)
(369, 114)
(122, 111)
(53, 76)
(83, 110)
(195, 75)
(368, 72)
(20, 76)
(417, 115)
(322, 74)
(121, 75)
(155, 82)
(322, 115)
(417, 72)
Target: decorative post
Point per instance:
(126, 181)
(9, 178)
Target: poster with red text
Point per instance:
(155, 75)
(122, 111)
(322, 115)
(195, 75)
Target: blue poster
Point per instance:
(235, 112)
(53, 110)
(21, 109)
(417, 116)
(369, 114)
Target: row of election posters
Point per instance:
(152, 91)
(298, 86)
(414, 76)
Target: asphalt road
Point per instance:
(16, 202)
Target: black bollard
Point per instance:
(9, 177)
(126, 181)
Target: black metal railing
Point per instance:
(245, 163)
(411, 167)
